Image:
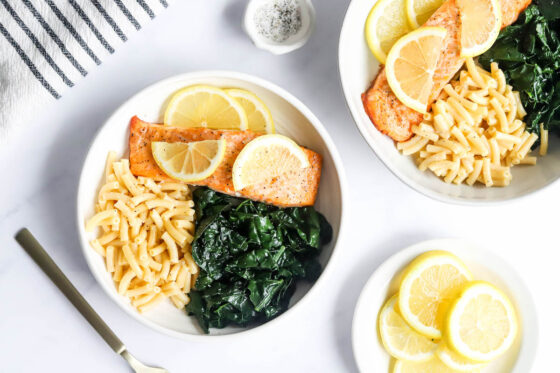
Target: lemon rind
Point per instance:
(263, 108)
(375, 13)
(411, 15)
(479, 49)
(444, 355)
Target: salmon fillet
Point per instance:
(392, 117)
(296, 188)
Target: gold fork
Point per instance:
(43, 260)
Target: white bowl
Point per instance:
(368, 349)
(293, 42)
(292, 118)
(358, 67)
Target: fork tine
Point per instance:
(139, 367)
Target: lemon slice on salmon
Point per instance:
(258, 116)
(411, 65)
(385, 24)
(419, 11)
(191, 161)
(205, 106)
(481, 21)
(429, 284)
(267, 157)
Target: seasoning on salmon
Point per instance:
(295, 188)
(391, 116)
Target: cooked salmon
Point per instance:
(392, 117)
(295, 188)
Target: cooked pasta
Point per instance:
(145, 238)
(475, 131)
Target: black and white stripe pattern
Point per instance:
(46, 46)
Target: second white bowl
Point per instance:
(358, 67)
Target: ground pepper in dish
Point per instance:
(277, 20)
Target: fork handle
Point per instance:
(44, 261)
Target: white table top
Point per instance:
(40, 165)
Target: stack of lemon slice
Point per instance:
(389, 20)
(220, 109)
(412, 57)
(208, 107)
(225, 109)
(443, 321)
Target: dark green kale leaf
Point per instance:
(250, 256)
(550, 9)
(529, 54)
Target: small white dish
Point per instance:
(358, 67)
(291, 118)
(368, 349)
(293, 42)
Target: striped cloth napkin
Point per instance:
(47, 46)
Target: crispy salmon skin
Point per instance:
(391, 116)
(296, 188)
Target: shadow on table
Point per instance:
(353, 285)
(234, 13)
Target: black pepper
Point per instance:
(277, 20)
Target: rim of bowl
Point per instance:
(394, 170)
(406, 251)
(341, 177)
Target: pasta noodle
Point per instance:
(475, 132)
(544, 141)
(147, 229)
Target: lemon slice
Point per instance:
(189, 162)
(429, 284)
(481, 324)
(205, 106)
(385, 25)
(481, 21)
(419, 11)
(399, 339)
(266, 157)
(411, 64)
(258, 115)
(455, 361)
(431, 366)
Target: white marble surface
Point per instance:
(41, 332)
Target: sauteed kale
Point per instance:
(250, 256)
(529, 54)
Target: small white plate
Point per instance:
(358, 67)
(366, 342)
(291, 118)
(294, 42)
